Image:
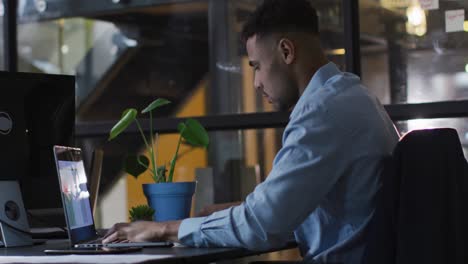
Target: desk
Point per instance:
(174, 255)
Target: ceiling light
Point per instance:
(65, 49)
(416, 24)
(415, 15)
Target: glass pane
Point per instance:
(177, 51)
(413, 53)
(460, 124)
(77, 47)
(232, 89)
(124, 60)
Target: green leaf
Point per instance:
(181, 127)
(136, 165)
(194, 133)
(155, 104)
(127, 118)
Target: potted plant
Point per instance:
(141, 212)
(170, 200)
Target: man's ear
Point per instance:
(287, 50)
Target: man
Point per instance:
(325, 177)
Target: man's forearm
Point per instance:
(171, 230)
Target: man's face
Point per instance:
(272, 76)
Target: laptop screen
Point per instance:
(75, 195)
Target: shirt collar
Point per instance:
(322, 75)
(320, 78)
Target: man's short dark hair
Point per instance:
(279, 16)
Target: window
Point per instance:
(412, 56)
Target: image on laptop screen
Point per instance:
(75, 193)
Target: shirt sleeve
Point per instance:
(304, 170)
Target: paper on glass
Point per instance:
(454, 20)
(429, 4)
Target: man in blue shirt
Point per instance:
(324, 179)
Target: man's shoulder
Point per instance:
(330, 95)
(343, 103)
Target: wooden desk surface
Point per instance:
(147, 255)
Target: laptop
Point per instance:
(77, 206)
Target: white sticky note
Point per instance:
(454, 20)
(429, 4)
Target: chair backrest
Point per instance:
(422, 207)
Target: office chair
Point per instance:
(422, 207)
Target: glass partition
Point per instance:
(415, 53)
(231, 78)
(162, 50)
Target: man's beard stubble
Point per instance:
(288, 103)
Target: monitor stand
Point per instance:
(14, 228)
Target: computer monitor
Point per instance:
(37, 111)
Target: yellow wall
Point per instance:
(167, 143)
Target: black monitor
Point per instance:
(37, 111)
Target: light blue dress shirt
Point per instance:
(324, 179)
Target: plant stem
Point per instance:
(173, 161)
(143, 136)
(159, 177)
(187, 151)
(153, 161)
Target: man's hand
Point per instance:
(215, 207)
(143, 231)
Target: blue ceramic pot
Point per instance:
(170, 201)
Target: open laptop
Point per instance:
(76, 203)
